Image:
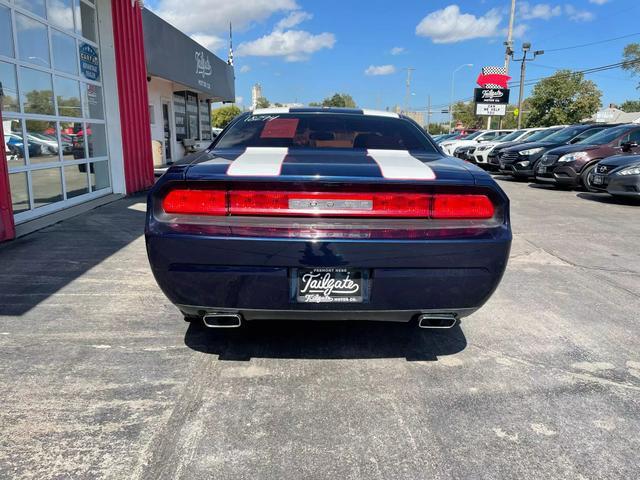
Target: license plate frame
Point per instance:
(330, 285)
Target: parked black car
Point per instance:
(572, 165)
(619, 175)
(521, 160)
(535, 137)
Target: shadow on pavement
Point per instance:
(40, 264)
(606, 198)
(325, 340)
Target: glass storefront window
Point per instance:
(88, 22)
(68, 97)
(45, 141)
(33, 41)
(92, 98)
(34, 6)
(19, 192)
(72, 148)
(99, 173)
(10, 87)
(6, 32)
(75, 180)
(60, 14)
(97, 140)
(36, 91)
(65, 53)
(47, 186)
(14, 143)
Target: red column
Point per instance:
(131, 73)
(7, 229)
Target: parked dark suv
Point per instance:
(520, 160)
(573, 165)
(534, 137)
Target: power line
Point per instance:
(549, 50)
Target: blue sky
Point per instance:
(301, 50)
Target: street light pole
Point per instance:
(523, 67)
(428, 113)
(408, 91)
(453, 82)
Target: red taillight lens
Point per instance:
(196, 202)
(412, 205)
(327, 204)
(461, 206)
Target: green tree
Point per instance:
(437, 128)
(465, 113)
(262, 102)
(339, 100)
(630, 106)
(563, 98)
(631, 57)
(223, 115)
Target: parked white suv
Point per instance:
(473, 139)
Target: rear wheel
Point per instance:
(586, 178)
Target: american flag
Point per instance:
(230, 59)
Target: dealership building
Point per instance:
(94, 94)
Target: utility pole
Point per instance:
(509, 43)
(428, 113)
(408, 92)
(523, 67)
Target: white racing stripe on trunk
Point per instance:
(259, 162)
(401, 165)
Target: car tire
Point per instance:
(585, 178)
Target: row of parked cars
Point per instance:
(37, 143)
(597, 157)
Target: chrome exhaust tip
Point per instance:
(437, 320)
(222, 320)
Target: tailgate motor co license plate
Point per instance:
(330, 285)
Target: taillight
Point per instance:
(327, 204)
(196, 202)
(461, 206)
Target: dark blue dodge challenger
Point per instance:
(326, 214)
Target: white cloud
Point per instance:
(599, 2)
(397, 50)
(293, 19)
(449, 25)
(245, 68)
(540, 10)
(210, 42)
(380, 70)
(239, 100)
(213, 16)
(293, 45)
(519, 30)
(578, 15)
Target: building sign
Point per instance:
(89, 62)
(173, 56)
(203, 69)
(491, 109)
(491, 95)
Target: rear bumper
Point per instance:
(253, 276)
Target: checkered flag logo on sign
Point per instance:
(493, 71)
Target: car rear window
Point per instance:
(324, 130)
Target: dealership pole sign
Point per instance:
(492, 97)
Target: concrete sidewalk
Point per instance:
(101, 378)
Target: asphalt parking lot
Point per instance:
(101, 378)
